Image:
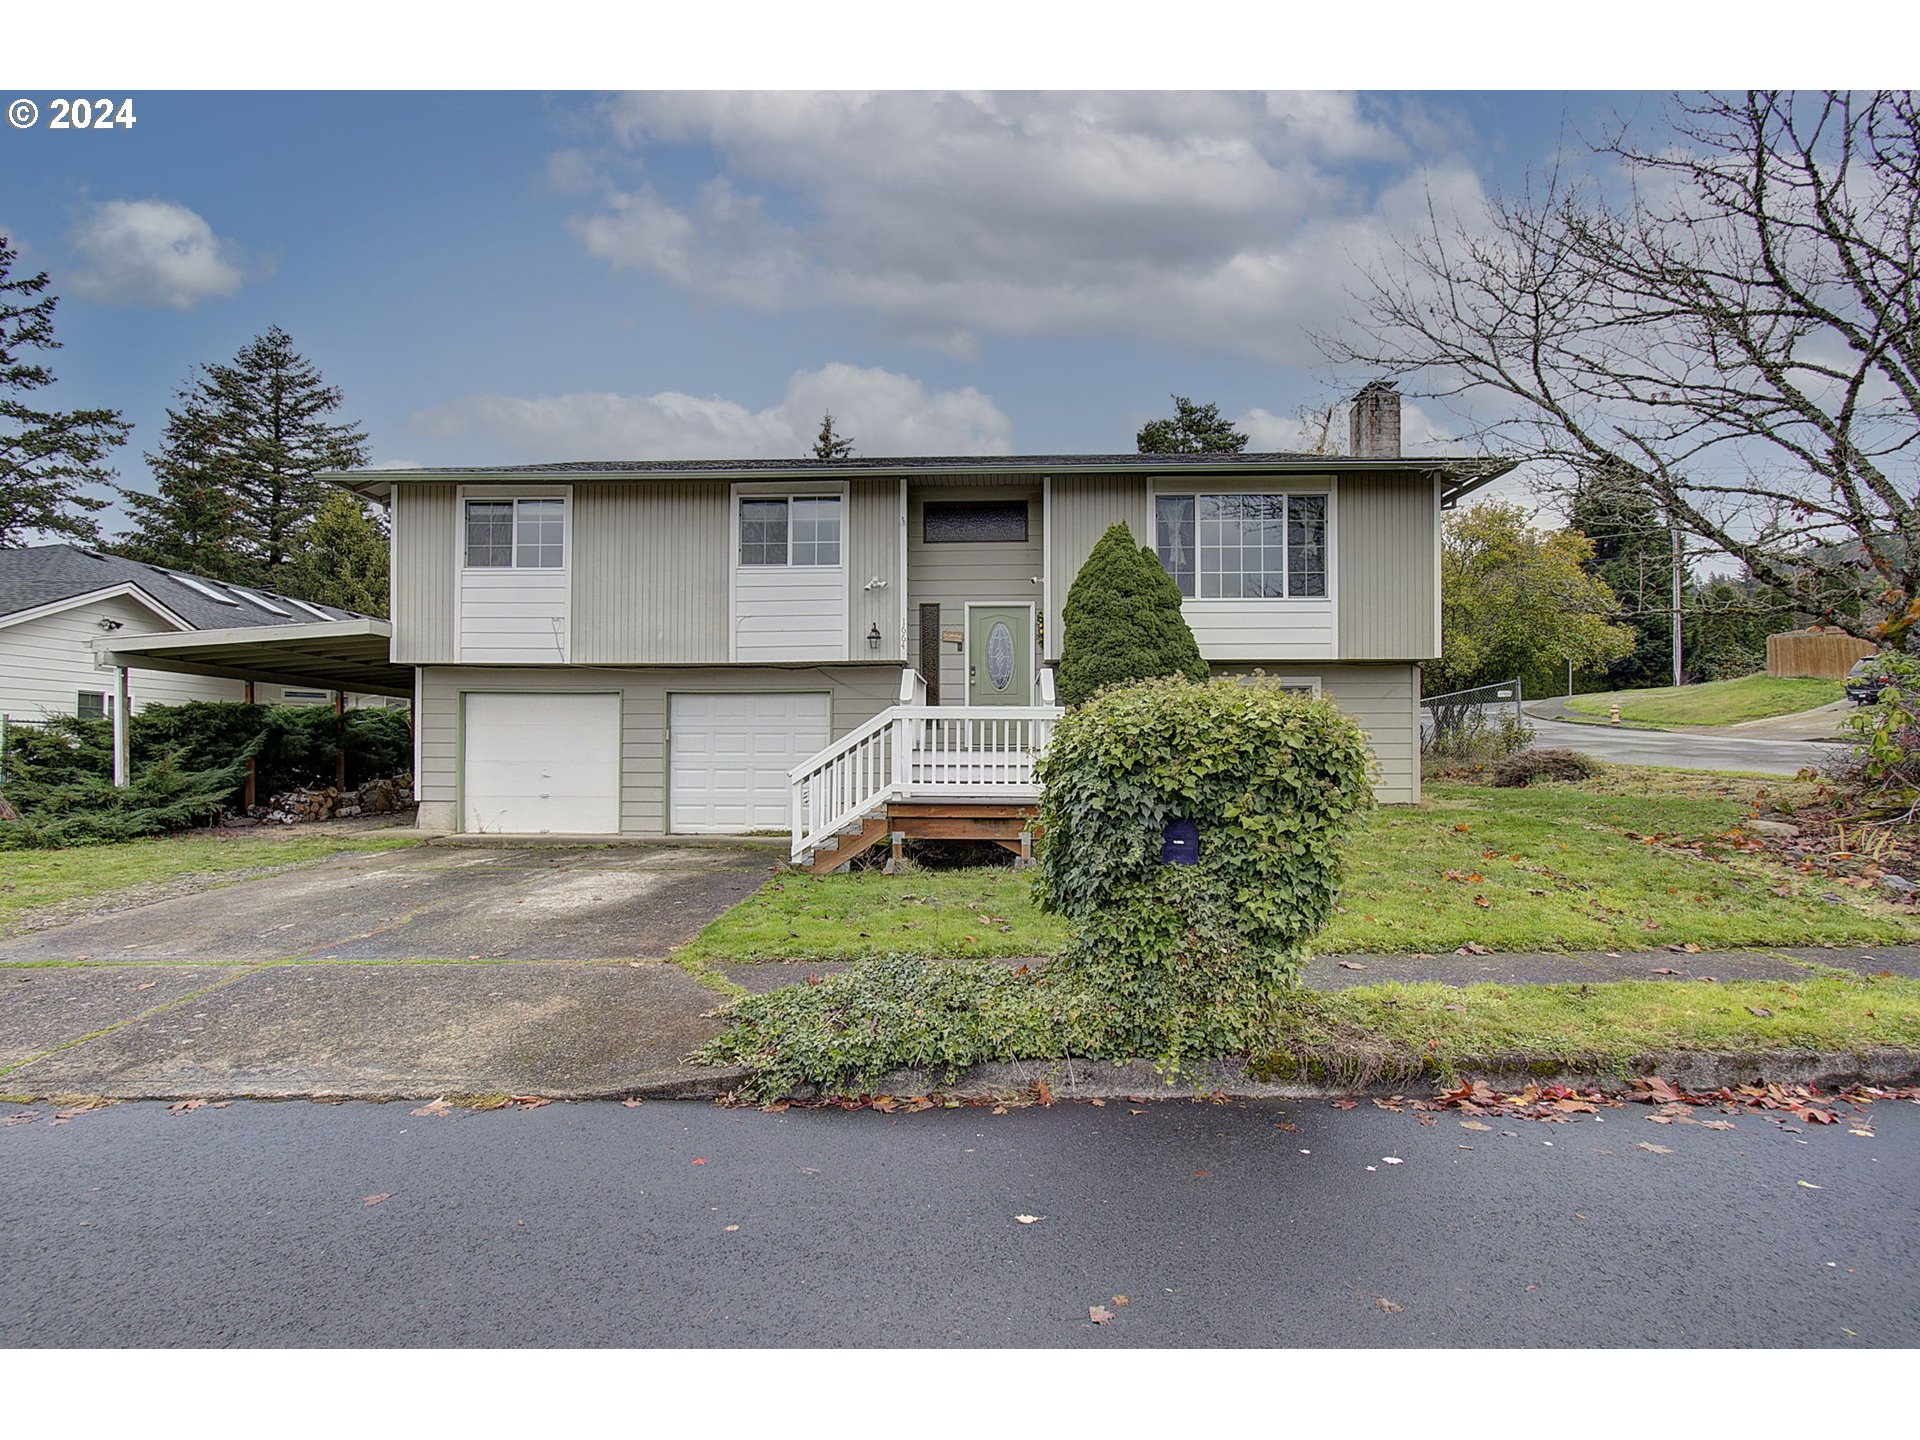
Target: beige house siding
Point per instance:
(46, 662)
(859, 692)
(874, 540)
(1385, 579)
(1384, 699)
(953, 575)
(650, 573)
(424, 575)
(1080, 508)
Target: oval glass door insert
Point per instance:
(1000, 656)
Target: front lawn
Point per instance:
(1718, 702)
(30, 879)
(1633, 860)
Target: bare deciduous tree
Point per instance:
(1724, 318)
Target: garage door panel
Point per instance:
(729, 755)
(541, 764)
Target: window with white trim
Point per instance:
(790, 530)
(94, 705)
(522, 534)
(1244, 545)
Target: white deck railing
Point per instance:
(982, 752)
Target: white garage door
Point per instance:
(541, 764)
(729, 756)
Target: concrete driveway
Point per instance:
(411, 972)
(1683, 750)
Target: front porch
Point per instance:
(921, 771)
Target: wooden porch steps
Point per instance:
(1009, 826)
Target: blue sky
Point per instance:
(514, 276)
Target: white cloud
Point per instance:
(1227, 221)
(153, 252)
(885, 414)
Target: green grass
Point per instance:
(1559, 867)
(1718, 702)
(1407, 1031)
(30, 879)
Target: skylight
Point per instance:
(262, 602)
(206, 590)
(310, 609)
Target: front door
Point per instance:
(999, 655)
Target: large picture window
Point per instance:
(1244, 546)
(796, 530)
(516, 534)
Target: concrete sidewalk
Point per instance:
(561, 1028)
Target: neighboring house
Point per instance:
(651, 647)
(55, 600)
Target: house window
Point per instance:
(306, 697)
(516, 534)
(94, 705)
(1244, 546)
(974, 522)
(794, 530)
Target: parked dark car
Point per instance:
(1866, 680)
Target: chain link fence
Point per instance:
(1484, 723)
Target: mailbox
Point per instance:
(1180, 843)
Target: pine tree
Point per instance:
(192, 521)
(46, 456)
(1122, 621)
(829, 446)
(1193, 430)
(340, 558)
(1633, 554)
(270, 406)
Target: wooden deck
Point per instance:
(1008, 825)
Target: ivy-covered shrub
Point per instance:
(1122, 621)
(1879, 769)
(1187, 961)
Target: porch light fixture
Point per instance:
(873, 637)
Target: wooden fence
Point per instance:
(1822, 654)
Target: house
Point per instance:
(55, 600)
(831, 648)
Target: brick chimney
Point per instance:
(1373, 422)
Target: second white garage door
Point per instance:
(728, 757)
(541, 764)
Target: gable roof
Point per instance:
(43, 575)
(1458, 475)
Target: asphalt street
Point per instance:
(1684, 750)
(682, 1224)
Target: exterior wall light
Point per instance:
(873, 637)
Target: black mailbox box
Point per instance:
(1180, 843)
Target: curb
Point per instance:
(1693, 1070)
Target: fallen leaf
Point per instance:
(1121, 1300)
(1474, 1125)
(1029, 1219)
(147, 986)
(1199, 1174)
(1656, 1149)
(1043, 1091)
(1393, 1160)
(1381, 1302)
(1099, 1314)
(1345, 1104)
(186, 1105)
(699, 1161)
(1717, 1125)
(633, 1102)
(1807, 1185)
(1473, 947)
(1867, 1133)
(433, 1107)
(1138, 1099)
(1096, 1101)
(376, 1199)
(1665, 970)
(732, 1228)
(530, 1102)
(1349, 965)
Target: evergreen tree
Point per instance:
(192, 521)
(270, 407)
(1633, 555)
(1122, 621)
(340, 558)
(1193, 430)
(46, 456)
(829, 446)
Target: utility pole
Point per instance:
(1673, 528)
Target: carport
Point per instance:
(336, 655)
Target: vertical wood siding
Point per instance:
(873, 553)
(1083, 507)
(650, 573)
(952, 575)
(423, 573)
(1385, 580)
